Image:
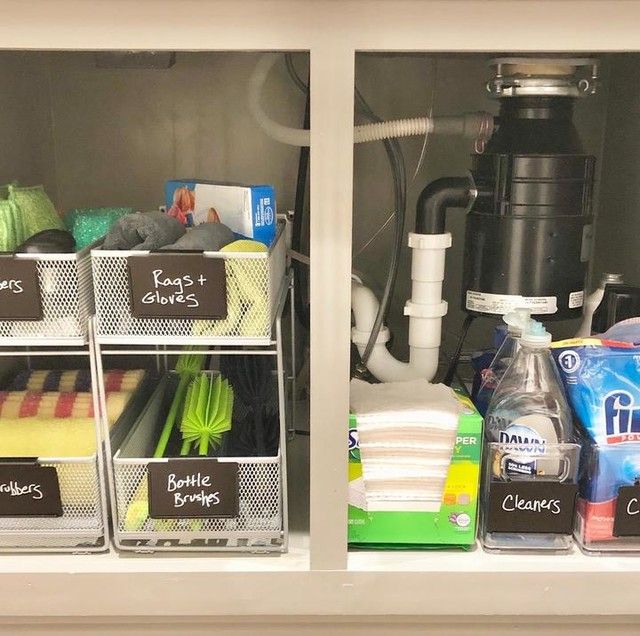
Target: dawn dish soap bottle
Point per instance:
(529, 409)
(528, 416)
(517, 321)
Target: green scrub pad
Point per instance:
(37, 212)
(90, 224)
(11, 230)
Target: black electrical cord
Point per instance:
(453, 365)
(300, 272)
(396, 162)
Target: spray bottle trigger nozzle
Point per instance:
(518, 319)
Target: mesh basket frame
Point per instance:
(260, 525)
(260, 278)
(66, 290)
(81, 528)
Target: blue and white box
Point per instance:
(249, 210)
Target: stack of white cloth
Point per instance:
(406, 435)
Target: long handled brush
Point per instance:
(187, 365)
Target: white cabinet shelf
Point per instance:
(376, 583)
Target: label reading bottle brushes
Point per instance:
(193, 489)
(177, 286)
(626, 522)
(19, 289)
(531, 507)
(29, 490)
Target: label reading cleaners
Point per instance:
(504, 303)
(177, 286)
(29, 490)
(193, 489)
(531, 507)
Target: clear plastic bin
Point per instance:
(505, 493)
(604, 471)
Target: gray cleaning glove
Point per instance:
(209, 237)
(143, 231)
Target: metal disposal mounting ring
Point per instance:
(543, 76)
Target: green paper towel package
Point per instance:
(412, 518)
(90, 224)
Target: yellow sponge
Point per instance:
(27, 437)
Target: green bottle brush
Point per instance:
(207, 412)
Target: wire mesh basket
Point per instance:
(258, 526)
(81, 527)
(253, 284)
(66, 294)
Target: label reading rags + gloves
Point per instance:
(177, 286)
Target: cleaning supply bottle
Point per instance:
(593, 302)
(516, 320)
(529, 410)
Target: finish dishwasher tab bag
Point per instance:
(602, 380)
(414, 465)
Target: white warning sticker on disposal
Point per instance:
(576, 299)
(504, 303)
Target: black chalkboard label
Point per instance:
(19, 289)
(531, 506)
(626, 522)
(193, 489)
(177, 286)
(29, 490)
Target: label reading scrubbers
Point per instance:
(19, 289)
(29, 490)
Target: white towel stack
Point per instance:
(406, 433)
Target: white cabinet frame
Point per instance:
(330, 581)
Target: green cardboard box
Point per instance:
(454, 525)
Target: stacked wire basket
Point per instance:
(256, 284)
(66, 296)
(93, 282)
